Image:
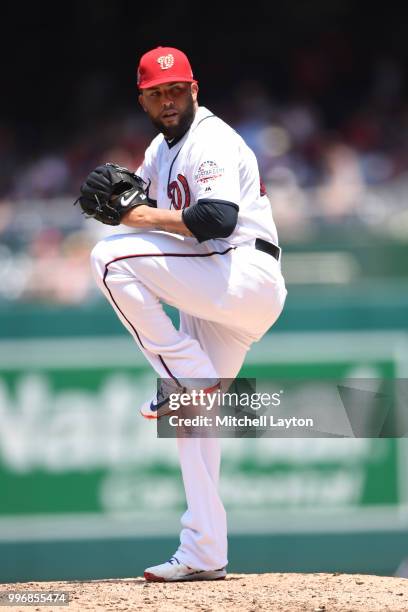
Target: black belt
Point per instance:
(268, 247)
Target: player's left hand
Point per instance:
(110, 191)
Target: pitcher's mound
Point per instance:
(244, 592)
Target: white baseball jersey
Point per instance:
(211, 161)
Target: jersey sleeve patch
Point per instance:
(208, 171)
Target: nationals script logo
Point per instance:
(165, 61)
(179, 193)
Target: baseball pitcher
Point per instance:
(208, 247)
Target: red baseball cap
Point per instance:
(163, 65)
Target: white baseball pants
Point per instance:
(228, 298)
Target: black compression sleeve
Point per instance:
(211, 219)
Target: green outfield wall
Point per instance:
(88, 491)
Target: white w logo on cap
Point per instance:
(165, 61)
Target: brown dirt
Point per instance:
(241, 592)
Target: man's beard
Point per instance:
(185, 121)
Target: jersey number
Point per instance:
(178, 193)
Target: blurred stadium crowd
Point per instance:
(347, 172)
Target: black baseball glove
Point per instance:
(110, 191)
